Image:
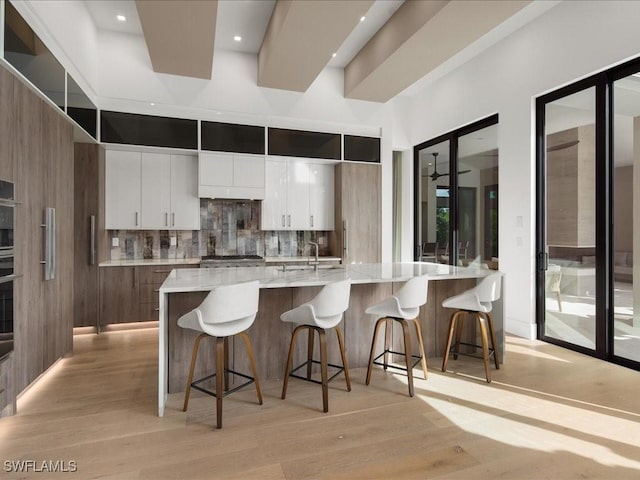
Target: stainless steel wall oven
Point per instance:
(7, 271)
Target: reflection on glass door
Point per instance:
(626, 217)
(434, 205)
(569, 222)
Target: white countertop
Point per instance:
(195, 280)
(150, 262)
(299, 259)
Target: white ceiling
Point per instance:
(246, 18)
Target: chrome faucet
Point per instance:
(317, 260)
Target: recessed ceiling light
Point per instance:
(362, 18)
(237, 38)
(121, 18)
(334, 55)
(152, 104)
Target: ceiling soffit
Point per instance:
(419, 37)
(301, 38)
(180, 35)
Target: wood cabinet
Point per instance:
(118, 295)
(151, 191)
(298, 196)
(231, 175)
(7, 397)
(357, 238)
(130, 294)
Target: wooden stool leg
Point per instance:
(310, 353)
(373, 347)
(289, 365)
(388, 332)
(452, 327)
(226, 364)
(344, 357)
(407, 354)
(194, 355)
(252, 361)
(416, 323)
(219, 379)
(459, 325)
(492, 334)
(559, 302)
(323, 369)
(485, 345)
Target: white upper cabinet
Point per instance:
(122, 190)
(231, 175)
(321, 196)
(155, 203)
(185, 204)
(298, 195)
(155, 191)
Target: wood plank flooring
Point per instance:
(549, 413)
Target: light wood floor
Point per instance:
(549, 414)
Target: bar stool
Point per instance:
(403, 307)
(476, 301)
(321, 313)
(227, 311)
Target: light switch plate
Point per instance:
(174, 241)
(115, 242)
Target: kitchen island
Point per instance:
(282, 290)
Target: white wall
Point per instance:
(570, 41)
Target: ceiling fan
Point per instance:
(435, 175)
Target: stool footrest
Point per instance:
(315, 362)
(404, 369)
(473, 345)
(226, 392)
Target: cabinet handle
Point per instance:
(92, 245)
(173, 219)
(311, 221)
(289, 219)
(166, 219)
(283, 221)
(345, 238)
(136, 219)
(49, 226)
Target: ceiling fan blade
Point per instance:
(463, 171)
(435, 175)
(562, 146)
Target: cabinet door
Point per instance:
(118, 295)
(122, 190)
(321, 196)
(274, 206)
(155, 201)
(298, 217)
(185, 204)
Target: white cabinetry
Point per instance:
(151, 191)
(298, 196)
(231, 175)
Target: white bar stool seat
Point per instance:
(226, 311)
(323, 312)
(403, 307)
(477, 301)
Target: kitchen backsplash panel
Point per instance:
(227, 227)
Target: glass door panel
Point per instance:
(478, 197)
(433, 204)
(570, 215)
(626, 217)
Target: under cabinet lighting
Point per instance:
(121, 18)
(237, 38)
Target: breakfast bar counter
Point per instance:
(284, 289)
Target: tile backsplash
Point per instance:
(227, 227)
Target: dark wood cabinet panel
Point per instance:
(229, 137)
(118, 295)
(362, 149)
(299, 143)
(135, 129)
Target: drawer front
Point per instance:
(149, 293)
(157, 274)
(148, 312)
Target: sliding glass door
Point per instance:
(588, 144)
(456, 196)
